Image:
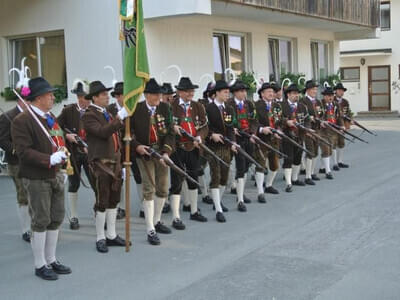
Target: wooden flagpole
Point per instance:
(127, 165)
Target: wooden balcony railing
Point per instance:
(358, 12)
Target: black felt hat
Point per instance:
(328, 91)
(239, 85)
(292, 88)
(39, 86)
(221, 85)
(339, 86)
(118, 89)
(309, 85)
(166, 89)
(265, 86)
(152, 87)
(186, 84)
(96, 87)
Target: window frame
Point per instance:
(226, 62)
(328, 57)
(352, 79)
(37, 36)
(292, 45)
(390, 15)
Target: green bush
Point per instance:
(61, 93)
(8, 94)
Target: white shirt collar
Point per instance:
(20, 108)
(290, 103)
(311, 98)
(181, 102)
(80, 108)
(210, 100)
(38, 111)
(101, 109)
(119, 107)
(339, 99)
(238, 101)
(219, 103)
(150, 107)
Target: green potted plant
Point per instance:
(8, 94)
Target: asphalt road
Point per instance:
(337, 240)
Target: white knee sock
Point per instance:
(111, 216)
(259, 182)
(216, 198)
(193, 200)
(24, 217)
(270, 178)
(288, 176)
(295, 172)
(334, 157)
(51, 246)
(38, 243)
(158, 207)
(326, 161)
(234, 184)
(314, 165)
(73, 204)
(100, 221)
(184, 194)
(121, 203)
(309, 169)
(340, 155)
(175, 201)
(203, 185)
(303, 163)
(148, 207)
(240, 189)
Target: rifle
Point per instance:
(292, 141)
(309, 131)
(261, 142)
(79, 141)
(359, 125)
(204, 147)
(335, 130)
(348, 133)
(172, 165)
(244, 153)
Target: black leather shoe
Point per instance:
(329, 176)
(343, 166)
(153, 239)
(198, 217)
(246, 199)
(298, 183)
(141, 214)
(261, 198)
(302, 172)
(309, 181)
(101, 246)
(220, 217)
(336, 168)
(120, 214)
(186, 208)
(178, 224)
(233, 191)
(315, 177)
(60, 268)
(26, 237)
(271, 190)
(74, 223)
(241, 207)
(118, 241)
(289, 189)
(322, 171)
(166, 209)
(208, 200)
(46, 273)
(161, 228)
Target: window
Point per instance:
(320, 59)
(385, 15)
(229, 52)
(280, 57)
(350, 74)
(45, 56)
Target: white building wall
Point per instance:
(358, 92)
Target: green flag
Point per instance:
(136, 67)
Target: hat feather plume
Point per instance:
(114, 77)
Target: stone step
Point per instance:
(378, 114)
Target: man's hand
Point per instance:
(122, 114)
(216, 137)
(277, 136)
(71, 138)
(234, 148)
(290, 123)
(266, 130)
(323, 124)
(236, 131)
(197, 142)
(57, 158)
(177, 129)
(143, 150)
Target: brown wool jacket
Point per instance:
(140, 127)
(33, 147)
(99, 134)
(5, 135)
(218, 123)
